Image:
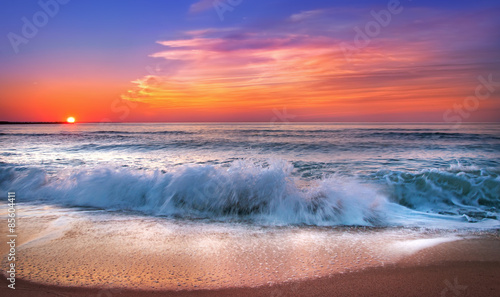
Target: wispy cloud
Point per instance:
(201, 5)
(305, 15)
(412, 68)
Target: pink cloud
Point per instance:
(306, 70)
(200, 6)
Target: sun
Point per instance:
(70, 120)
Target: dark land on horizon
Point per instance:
(30, 123)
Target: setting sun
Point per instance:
(70, 120)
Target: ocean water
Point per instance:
(381, 175)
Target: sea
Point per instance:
(386, 175)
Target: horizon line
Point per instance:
(242, 122)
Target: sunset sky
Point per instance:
(250, 60)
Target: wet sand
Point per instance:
(74, 254)
(446, 279)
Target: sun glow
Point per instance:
(70, 120)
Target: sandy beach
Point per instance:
(446, 279)
(75, 254)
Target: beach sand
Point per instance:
(445, 279)
(72, 254)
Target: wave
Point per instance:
(411, 134)
(103, 132)
(245, 191)
(269, 194)
(145, 132)
(456, 189)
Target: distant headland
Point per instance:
(29, 123)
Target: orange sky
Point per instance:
(412, 71)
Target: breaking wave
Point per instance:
(270, 194)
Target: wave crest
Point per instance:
(456, 189)
(263, 193)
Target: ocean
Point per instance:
(261, 174)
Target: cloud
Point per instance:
(413, 67)
(305, 15)
(200, 6)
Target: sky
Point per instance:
(250, 60)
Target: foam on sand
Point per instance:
(412, 246)
(99, 249)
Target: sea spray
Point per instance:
(267, 193)
(244, 190)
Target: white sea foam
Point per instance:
(267, 194)
(415, 245)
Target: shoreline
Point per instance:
(67, 253)
(469, 278)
